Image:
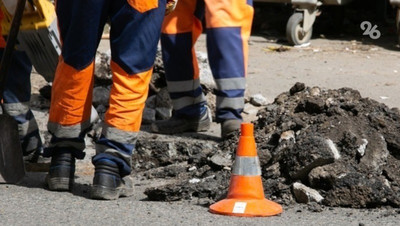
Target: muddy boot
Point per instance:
(229, 127)
(108, 184)
(61, 172)
(182, 124)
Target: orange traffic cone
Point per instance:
(246, 194)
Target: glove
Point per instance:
(171, 4)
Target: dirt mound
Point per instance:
(315, 145)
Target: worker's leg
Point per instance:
(135, 31)
(180, 31)
(228, 25)
(81, 24)
(17, 94)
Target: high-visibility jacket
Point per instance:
(135, 31)
(17, 95)
(228, 25)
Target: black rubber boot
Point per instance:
(108, 184)
(61, 173)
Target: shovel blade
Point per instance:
(12, 167)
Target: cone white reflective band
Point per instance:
(247, 166)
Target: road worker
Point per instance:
(135, 31)
(16, 100)
(228, 24)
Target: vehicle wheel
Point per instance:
(294, 30)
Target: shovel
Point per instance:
(12, 167)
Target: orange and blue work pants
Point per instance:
(228, 26)
(135, 31)
(16, 98)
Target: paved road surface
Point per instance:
(372, 69)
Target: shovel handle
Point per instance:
(11, 40)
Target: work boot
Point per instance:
(229, 127)
(61, 173)
(180, 124)
(33, 156)
(108, 184)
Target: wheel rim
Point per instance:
(300, 34)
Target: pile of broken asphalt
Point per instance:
(331, 147)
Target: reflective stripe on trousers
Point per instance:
(134, 36)
(228, 25)
(17, 94)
